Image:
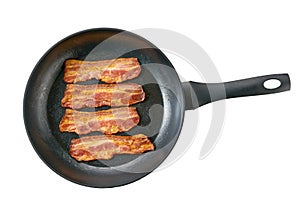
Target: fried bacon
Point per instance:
(80, 96)
(106, 146)
(108, 121)
(109, 71)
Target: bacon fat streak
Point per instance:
(108, 121)
(80, 96)
(106, 146)
(108, 71)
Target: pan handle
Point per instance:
(199, 94)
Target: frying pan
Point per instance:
(162, 112)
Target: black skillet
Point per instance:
(162, 112)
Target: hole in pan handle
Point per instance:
(199, 94)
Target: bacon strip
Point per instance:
(108, 121)
(80, 96)
(106, 146)
(109, 71)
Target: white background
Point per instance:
(258, 155)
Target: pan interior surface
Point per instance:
(148, 125)
(161, 113)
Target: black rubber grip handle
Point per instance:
(198, 94)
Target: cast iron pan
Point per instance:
(161, 113)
